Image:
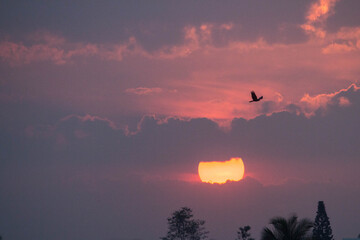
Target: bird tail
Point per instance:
(261, 97)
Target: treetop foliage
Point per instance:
(182, 226)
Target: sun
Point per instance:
(221, 172)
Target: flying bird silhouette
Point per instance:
(254, 97)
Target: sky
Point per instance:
(107, 108)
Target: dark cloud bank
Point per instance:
(160, 23)
(154, 23)
(83, 178)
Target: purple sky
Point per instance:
(108, 107)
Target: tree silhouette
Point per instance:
(243, 233)
(182, 226)
(287, 229)
(322, 229)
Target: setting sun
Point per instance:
(220, 172)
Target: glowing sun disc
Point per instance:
(220, 172)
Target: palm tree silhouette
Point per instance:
(288, 229)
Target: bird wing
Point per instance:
(253, 95)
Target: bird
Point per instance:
(254, 97)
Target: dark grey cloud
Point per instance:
(81, 176)
(345, 15)
(155, 23)
(328, 137)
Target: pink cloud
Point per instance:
(345, 40)
(227, 26)
(143, 90)
(320, 10)
(191, 44)
(90, 118)
(280, 97)
(117, 52)
(348, 33)
(52, 49)
(317, 15)
(318, 32)
(48, 47)
(310, 104)
(219, 86)
(195, 39)
(17, 53)
(338, 48)
(344, 102)
(259, 44)
(210, 81)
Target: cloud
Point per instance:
(320, 10)
(117, 52)
(344, 41)
(310, 104)
(348, 33)
(286, 155)
(227, 26)
(144, 90)
(211, 80)
(70, 132)
(338, 48)
(177, 145)
(90, 118)
(343, 101)
(318, 32)
(149, 28)
(19, 53)
(196, 38)
(317, 15)
(194, 76)
(45, 46)
(49, 47)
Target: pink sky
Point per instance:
(197, 77)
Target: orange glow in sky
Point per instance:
(220, 172)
